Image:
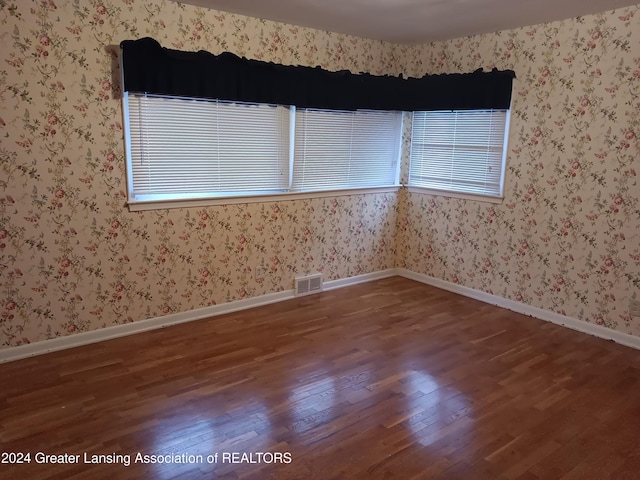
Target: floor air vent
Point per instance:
(308, 285)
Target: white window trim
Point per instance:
(450, 194)
(245, 199)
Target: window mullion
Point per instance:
(292, 142)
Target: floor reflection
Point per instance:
(191, 441)
(439, 409)
(311, 402)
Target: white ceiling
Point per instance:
(413, 21)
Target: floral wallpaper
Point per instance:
(73, 258)
(567, 236)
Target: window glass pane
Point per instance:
(186, 148)
(345, 149)
(459, 151)
(183, 149)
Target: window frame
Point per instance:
(452, 193)
(243, 198)
(249, 197)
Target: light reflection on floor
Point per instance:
(198, 435)
(433, 410)
(439, 409)
(309, 403)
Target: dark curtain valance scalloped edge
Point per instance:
(150, 68)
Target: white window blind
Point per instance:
(459, 151)
(186, 148)
(345, 149)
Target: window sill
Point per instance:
(464, 196)
(277, 197)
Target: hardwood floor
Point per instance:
(385, 380)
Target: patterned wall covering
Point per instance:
(567, 236)
(72, 257)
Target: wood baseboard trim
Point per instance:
(108, 333)
(539, 313)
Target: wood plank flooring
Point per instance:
(385, 380)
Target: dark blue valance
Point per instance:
(150, 68)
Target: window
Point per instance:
(191, 149)
(186, 148)
(461, 151)
(344, 149)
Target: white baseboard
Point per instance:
(539, 313)
(367, 277)
(108, 333)
(86, 338)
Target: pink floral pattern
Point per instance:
(567, 236)
(73, 258)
